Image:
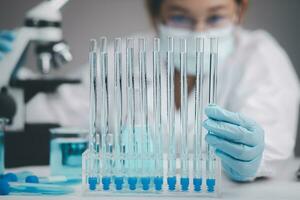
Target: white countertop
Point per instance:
(283, 187)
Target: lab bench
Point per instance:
(284, 187)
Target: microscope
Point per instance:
(43, 30)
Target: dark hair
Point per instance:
(154, 6)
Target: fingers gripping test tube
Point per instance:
(197, 162)
(171, 117)
(184, 160)
(119, 179)
(212, 99)
(158, 177)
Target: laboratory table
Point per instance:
(283, 187)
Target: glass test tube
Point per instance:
(212, 99)
(158, 150)
(184, 181)
(171, 116)
(104, 149)
(92, 162)
(143, 107)
(143, 84)
(104, 93)
(93, 58)
(197, 164)
(109, 162)
(118, 150)
(3, 122)
(131, 141)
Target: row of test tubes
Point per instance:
(132, 157)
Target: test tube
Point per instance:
(142, 102)
(158, 150)
(184, 160)
(92, 162)
(3, 122)
(109, 162)
(118, 150)
(104, 149)
(132, 179)
(197, 164)
(104, 92)
(93, 57)
(171, 117)
(212, 99)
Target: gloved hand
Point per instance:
(237, 140)
(6, 40)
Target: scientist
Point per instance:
(254, 125)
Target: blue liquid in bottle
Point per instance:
(65, 158)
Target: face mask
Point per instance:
(225, 45)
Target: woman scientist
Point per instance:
(254, 125)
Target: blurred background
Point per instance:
(83, 20)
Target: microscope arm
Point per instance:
(47, 10)
(10, 62)
(58, 4)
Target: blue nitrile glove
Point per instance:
(238, 141)
(6, 40)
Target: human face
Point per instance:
(199, 15)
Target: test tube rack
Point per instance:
(131, 149)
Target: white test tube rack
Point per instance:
(126, 149)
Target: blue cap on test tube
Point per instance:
(184, 184)
(210, 183)
(132, 181)
(119, 183)
(158, 182)
(172, 183)
(197, 184)
(145, 183)
(106, 181)
(92, 183)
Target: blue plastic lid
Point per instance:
(32, 179)
(92, 183)
(145, 182)
(158, 182)
(197, 184)
(184, 184)
(10, 177)
(132, 181)
(119, 183)
(210, 183)
(4, 187)
(172, 183)
(106, 182)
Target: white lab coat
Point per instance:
(257, 80)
